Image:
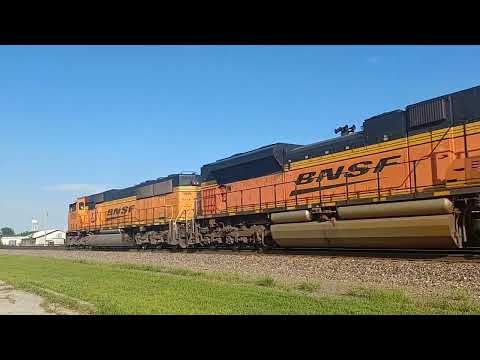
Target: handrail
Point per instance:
(320, 196)
(237, 200)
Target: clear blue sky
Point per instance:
(81, 119)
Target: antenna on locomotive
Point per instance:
(345, 130)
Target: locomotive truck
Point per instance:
(409, 179)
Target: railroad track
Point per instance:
(462, 255)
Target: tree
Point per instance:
(26, 233)
(7, 231)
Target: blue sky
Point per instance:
(81, 119)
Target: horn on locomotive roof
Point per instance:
(345, 130)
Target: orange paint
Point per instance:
(416, 167)
(178, 205)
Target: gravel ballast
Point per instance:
(334, 272)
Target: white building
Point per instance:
(40, 238)
(48, 237)
(12, 240)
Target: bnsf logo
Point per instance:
(354, 170)
(120, 211)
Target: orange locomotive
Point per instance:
(409, 179)
(143, 214)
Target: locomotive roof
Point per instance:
(461, 106)
(257, 150)
(113, 194)
(258, 162)
(328, 142)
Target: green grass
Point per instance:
(130, 289)
(307, 286)
(265, 281)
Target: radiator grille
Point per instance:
(476, 164)
(427, 112)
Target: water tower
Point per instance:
(34, 224)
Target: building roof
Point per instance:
(15, 237)
(43, 233)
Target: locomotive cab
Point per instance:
(77, 213)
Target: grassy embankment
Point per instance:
(130, 289)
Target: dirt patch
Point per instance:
(60, 310)
(18, 302)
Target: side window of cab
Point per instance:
(73, 207)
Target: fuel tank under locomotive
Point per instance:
(420, 224)
(109, 239)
